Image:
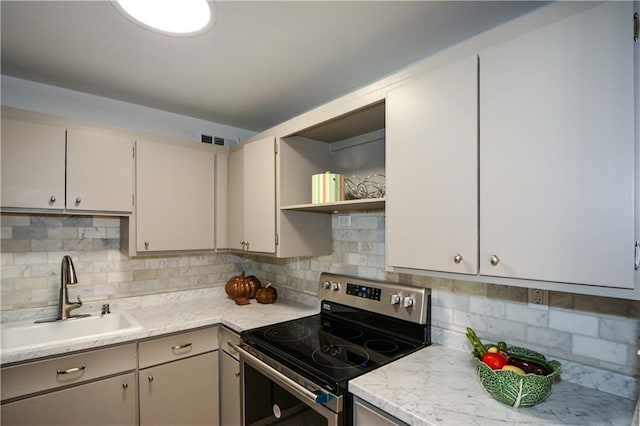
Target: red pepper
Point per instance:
(494, 360)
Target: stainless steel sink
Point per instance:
(28, 333)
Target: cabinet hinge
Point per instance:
(275, 147)
(636, 27)
(276, 239)
(637, 256)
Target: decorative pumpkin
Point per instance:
(266, 294)
(255, 283)
(241, 286)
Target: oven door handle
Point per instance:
(316, 396)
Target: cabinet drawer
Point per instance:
(176, 346)
(228, 336)
(61, 371)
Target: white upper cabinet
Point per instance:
(33, 161)
(175, 196)
(432, 164)
(545, 197)
(557, 152)
(47, 167)
(252, 186)
(99, 171)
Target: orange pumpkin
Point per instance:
(241, 286)
(266, 294)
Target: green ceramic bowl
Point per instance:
(518, 390)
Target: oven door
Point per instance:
(272, 397)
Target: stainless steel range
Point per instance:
(297, 372)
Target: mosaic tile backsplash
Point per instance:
(584, 332)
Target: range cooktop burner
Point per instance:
(346, 332)
(381, 345)
(341, 356)
(287, 334)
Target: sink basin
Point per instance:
(28, 333)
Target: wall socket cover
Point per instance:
(344, 220)
(538, 299)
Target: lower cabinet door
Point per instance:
(230, 404)
(182, 392)
(105, 402)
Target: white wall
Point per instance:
(54, 100)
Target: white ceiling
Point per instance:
(262, 63)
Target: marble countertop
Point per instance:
(434, 386)
(439, 386)
(160, 314)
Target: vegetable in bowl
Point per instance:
(515, 376)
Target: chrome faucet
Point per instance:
(67, 276)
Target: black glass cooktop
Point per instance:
(337, 347)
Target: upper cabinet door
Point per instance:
(557, 151)
(432, 171)
(33, 161)
(175, 193)
(260, 195)
(235, 212)
(99, 171)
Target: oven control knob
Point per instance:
(326, 285)
(407, 302)
(395, 299)
(335, 286)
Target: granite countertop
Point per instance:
(439, 386)
(160, 314)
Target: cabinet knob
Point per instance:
(125, 385)
(495, 260)
(237, 373)
(78, 200)
(52, 199)
(457, 258)
(150, 378)
(146, 245)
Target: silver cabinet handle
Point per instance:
(146, 245)
(495, 260)
(71, 370)
(176, 347)
(150, 378)
(78, 200)
(232, 348)
(52, 199)
(125, 385)
(457, 258)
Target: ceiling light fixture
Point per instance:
(173, 17)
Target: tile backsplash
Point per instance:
(591, 333)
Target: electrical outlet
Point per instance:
(538, 299)
(344, 221)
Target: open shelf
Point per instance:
(363, 204)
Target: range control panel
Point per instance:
(395, 300)
(368, 292)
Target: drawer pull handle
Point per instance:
(231, 348)
(176, 347)
(125, 385)
(72, 370)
